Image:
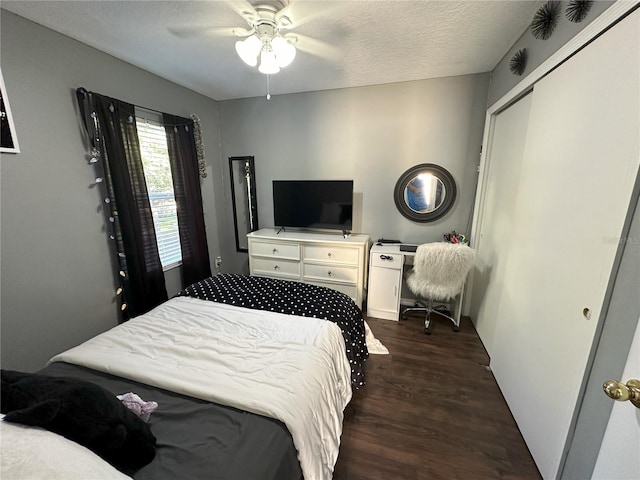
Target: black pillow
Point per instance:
(80, 411)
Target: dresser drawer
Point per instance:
(386, 260)
(273, 267)
(331, 254)
(276, 250)
(350, 290)
(331, 272)
(323, 259)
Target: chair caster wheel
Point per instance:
(456, 328)
(403, 317)
(427, 331)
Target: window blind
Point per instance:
(157, 172)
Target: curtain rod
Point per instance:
(84, 91)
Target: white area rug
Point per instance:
(373, 344)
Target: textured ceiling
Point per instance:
(344, 43)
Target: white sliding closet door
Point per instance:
(501, 188)
(580, 161)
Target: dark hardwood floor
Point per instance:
(430, 410)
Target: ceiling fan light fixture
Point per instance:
(284, 51)
(268, 64)
(266, 46)
(248, 50)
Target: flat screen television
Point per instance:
(321, 204)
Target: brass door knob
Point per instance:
(622, 392)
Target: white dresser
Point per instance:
(324, 259)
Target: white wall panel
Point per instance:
(494, 241)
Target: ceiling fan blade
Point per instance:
(201, 30)
(316, 47)
(300, 13)
(245, 10)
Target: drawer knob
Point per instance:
(329, 254)
(276, 267)
(275, 250)
(329, 273)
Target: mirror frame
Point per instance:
(245, 198)
(443, 175)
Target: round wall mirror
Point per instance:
(425, 192)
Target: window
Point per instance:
(157, 173)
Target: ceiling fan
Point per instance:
(268, 41)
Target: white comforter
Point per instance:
(290, 368)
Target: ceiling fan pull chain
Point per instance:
(268, 93)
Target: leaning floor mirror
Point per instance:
(243, 199)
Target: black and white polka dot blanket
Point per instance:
(292, 298)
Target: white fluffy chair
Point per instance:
(438, 275)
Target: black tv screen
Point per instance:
(323, 204)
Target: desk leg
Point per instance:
(457, 310)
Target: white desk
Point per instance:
(385, 293)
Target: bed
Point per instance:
(251, 376)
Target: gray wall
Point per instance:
(538, 51)
(57, 279)
(368, 134)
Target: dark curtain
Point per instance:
(112, 129)
(186, 188)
